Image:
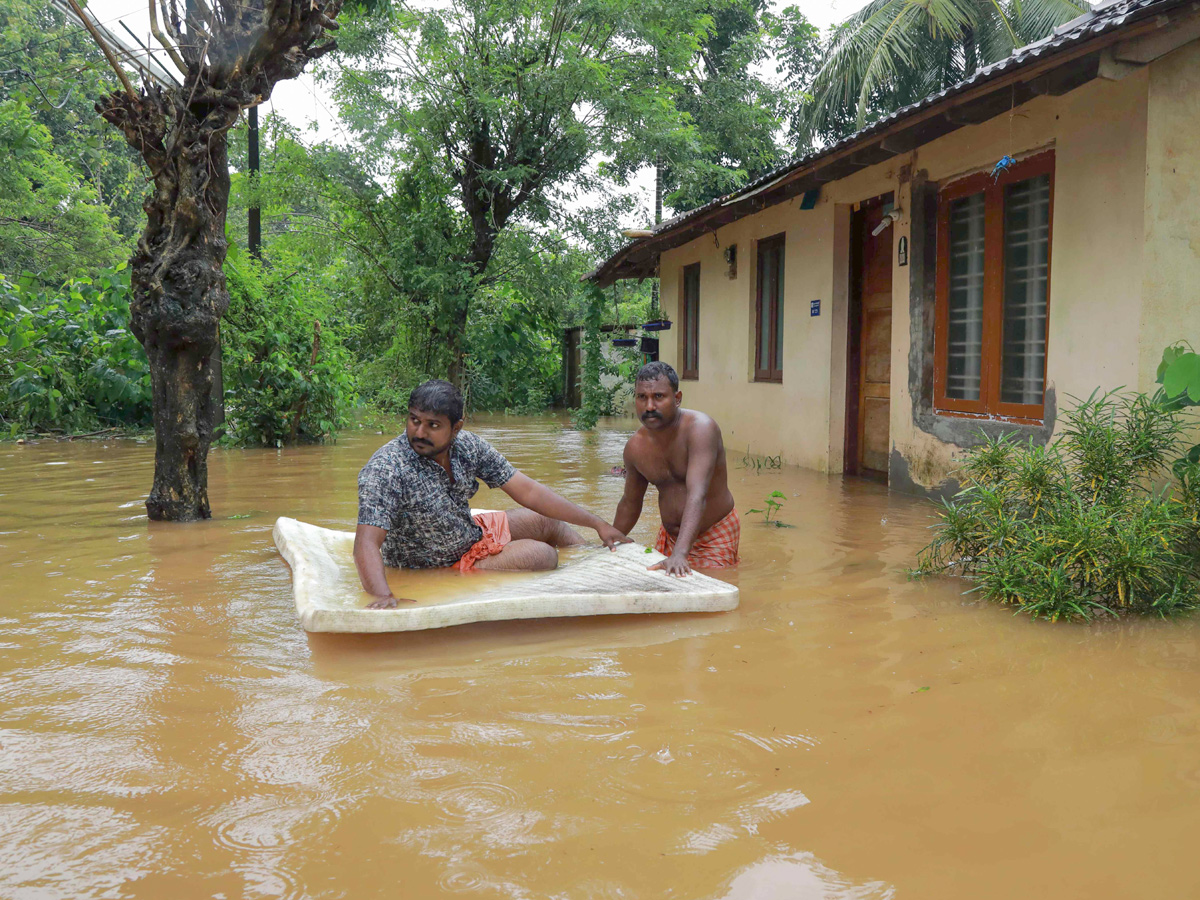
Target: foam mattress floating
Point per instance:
(596, 582)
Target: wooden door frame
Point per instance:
(854, 321)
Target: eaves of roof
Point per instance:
(1060, 62)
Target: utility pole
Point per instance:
(657, 220)
(255, 214)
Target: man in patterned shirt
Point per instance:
(414, 510)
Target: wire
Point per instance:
(80, 69)
(66, 34)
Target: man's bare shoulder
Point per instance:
(637, 443)
(701, 426)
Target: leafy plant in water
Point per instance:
(773, 503)
(1084, 526)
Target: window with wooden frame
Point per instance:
(993, 291)
(768, 311)
(689, 323)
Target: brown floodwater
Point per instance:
(167, 730)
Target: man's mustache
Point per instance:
(650, 415)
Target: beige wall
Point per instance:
(1126, 227)
(1171, 273)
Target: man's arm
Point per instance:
(629, 509)
(704, 442)
(539, 498)
(368, 539)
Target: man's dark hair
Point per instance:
(438, 397)
(656, 370)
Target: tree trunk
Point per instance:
(184, 414)
(483, 245)
(179, 296)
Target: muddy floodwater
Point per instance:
(167, 730)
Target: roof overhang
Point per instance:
(1114, 39)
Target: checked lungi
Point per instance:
(496, 536)
(716, 548)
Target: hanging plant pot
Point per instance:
(657, 325)
(648, 345)
(624, 342)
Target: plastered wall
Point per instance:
(1125, 264)
(1171, 270)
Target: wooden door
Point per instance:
(873, 378)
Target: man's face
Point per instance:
(656, 402)
(430, 433)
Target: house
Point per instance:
(872, 308)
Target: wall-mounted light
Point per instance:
(892, 215)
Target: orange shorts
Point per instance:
(496, 537)
(716, 548)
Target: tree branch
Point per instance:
(108, 54)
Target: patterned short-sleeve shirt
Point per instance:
(426, 513)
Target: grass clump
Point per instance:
(1104, 521)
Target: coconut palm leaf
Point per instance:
(894, 52)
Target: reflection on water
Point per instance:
(167, 730)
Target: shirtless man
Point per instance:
(681, 452)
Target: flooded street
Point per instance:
(167, 730)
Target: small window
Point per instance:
(689, 323)
(993, 292)
(768, 315)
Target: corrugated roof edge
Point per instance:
(1103, 17)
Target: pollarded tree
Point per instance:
(229, 57)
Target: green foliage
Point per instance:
(50, 219)
(288, 376)
(397, 250)
(773, 503)
(1179, 375)
(593, 403)
(68, 361)
(514, 361)
(71, 190)
(1081, 527)
(733, 114)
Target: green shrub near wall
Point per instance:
(1104, 521)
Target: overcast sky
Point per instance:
(305, 105)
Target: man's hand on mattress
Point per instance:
(673, 565)
(388, 602)
(611, 536)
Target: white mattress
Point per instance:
(596, 582)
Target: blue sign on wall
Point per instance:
(814, 308)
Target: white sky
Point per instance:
(305, 104)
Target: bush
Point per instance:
(1091, 524)
(515, 356)
(70, 362)
(287, 375)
